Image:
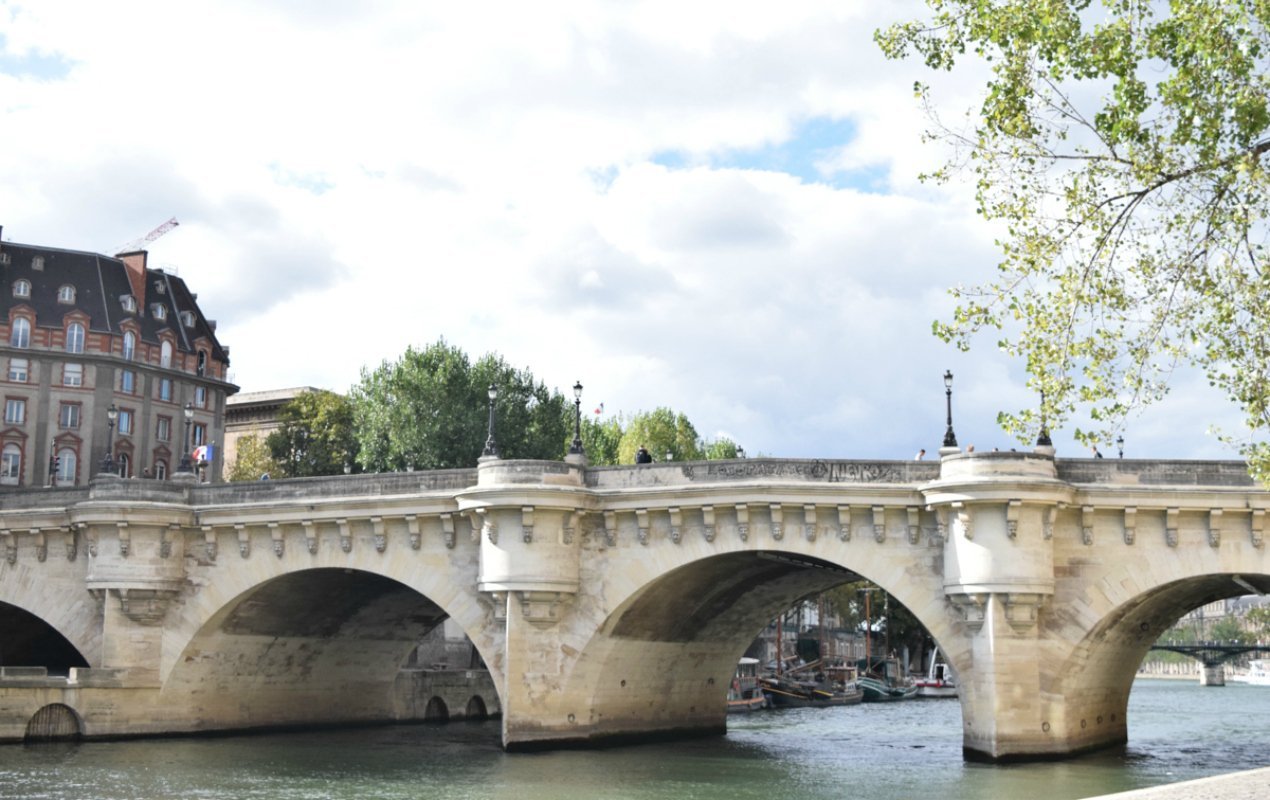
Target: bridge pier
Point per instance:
(1212, 675)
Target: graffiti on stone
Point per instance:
(820, 471)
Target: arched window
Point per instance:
(129, 345)
(10, 465)
(75, 338)
(66, 467)
(202, 362)
(125, 465)
(66, 294)
(165, 355)
(161, 470)
(22, 288)
(20, 336)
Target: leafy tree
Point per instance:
(315, 436)
(1123, 146)
(719, 449)
(662, 431)
(601, 440)
(1258, 621)
(253, 459)
(429, 410)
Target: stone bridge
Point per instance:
(609, 603)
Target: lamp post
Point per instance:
(1043, 438)
(186, 465)
(491, 446)
(1120, 445)
(575, 449)
(950, 438)
(108, 460)
(740, 452)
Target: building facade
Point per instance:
(86, 337)
(255, 414)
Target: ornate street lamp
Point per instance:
(491, 446)
(108, 460)
(575, 449)
(740, 451)
(1120, 445)
(950, 438)
(1043, 438)
(186, 465)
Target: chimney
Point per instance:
(136, 264)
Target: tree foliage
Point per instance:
(429, 410)
(1122, 143)
(315, 436)
(253, 460)
(663, 432)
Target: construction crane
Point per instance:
(137, 244)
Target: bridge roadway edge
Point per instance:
(611, 603)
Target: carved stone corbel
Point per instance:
(1087, 524)
(489, 526)
(209, 542)
(743, 521)
(41, 547)
(610, 528)
(572, 519)
(641, 521)
(1012, 510)
(879, 524)
(844, 523)
(973, 608)
(542, 609)
(244, 540)
(447, 532)
(809, 523)
(275, 534)
(72, 548)
(498, 606)
(413, 534)
(1258, 523)
(941, 524)
(346, 535)
(707, 521)
(166, 540)
(527, 524)
(144, 606)
(125, 538)
(1170, 526)
(914, 524)
(379, 533)
(1130, 525)
(474, 525)
(964, 520)
(1214, 527)
(1021, 610)
(310, 536)
(1047, 522)
(778, 521)
(92, 543)
(676, 524)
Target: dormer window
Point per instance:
(129, 303)
(22, 288)
(158, 311)
(37, 263)
(160, 287)
(129, 345)
(66, 294)
(187, 319)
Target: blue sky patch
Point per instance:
(814, 141)
(43, 66)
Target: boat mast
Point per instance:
(780, 635)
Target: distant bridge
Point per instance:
(609, 603)
(1213, 655)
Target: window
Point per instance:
(14, 411)
(165, 355)
(161, 470)
(66, 467)
(158, 311)
(10, 464)
(37, 263)
(163, 429)
(128, 381)
(200, 396)
(73, 375)
(75, 338)
(19, 371)
(129, 345)
(125, 465)
(22, 288)
(129, 303)
(165, 389)
(200, 434)
(20, 336)
(160, 287)
(125, 422)
(68, 415)
(187, 319)
(66, 293)
(202, 363)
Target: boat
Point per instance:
(940, 680)
(746, 693)
(882, 681)
(1258, 673)
(831, 685)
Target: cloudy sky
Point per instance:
(711, 206)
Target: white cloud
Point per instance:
(355, 178)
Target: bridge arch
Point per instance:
(317, 644)
(55, 722)
(28, 640)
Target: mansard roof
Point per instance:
(100, 282)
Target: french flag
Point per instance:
(203, 453)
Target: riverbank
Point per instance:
(1253, 784)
